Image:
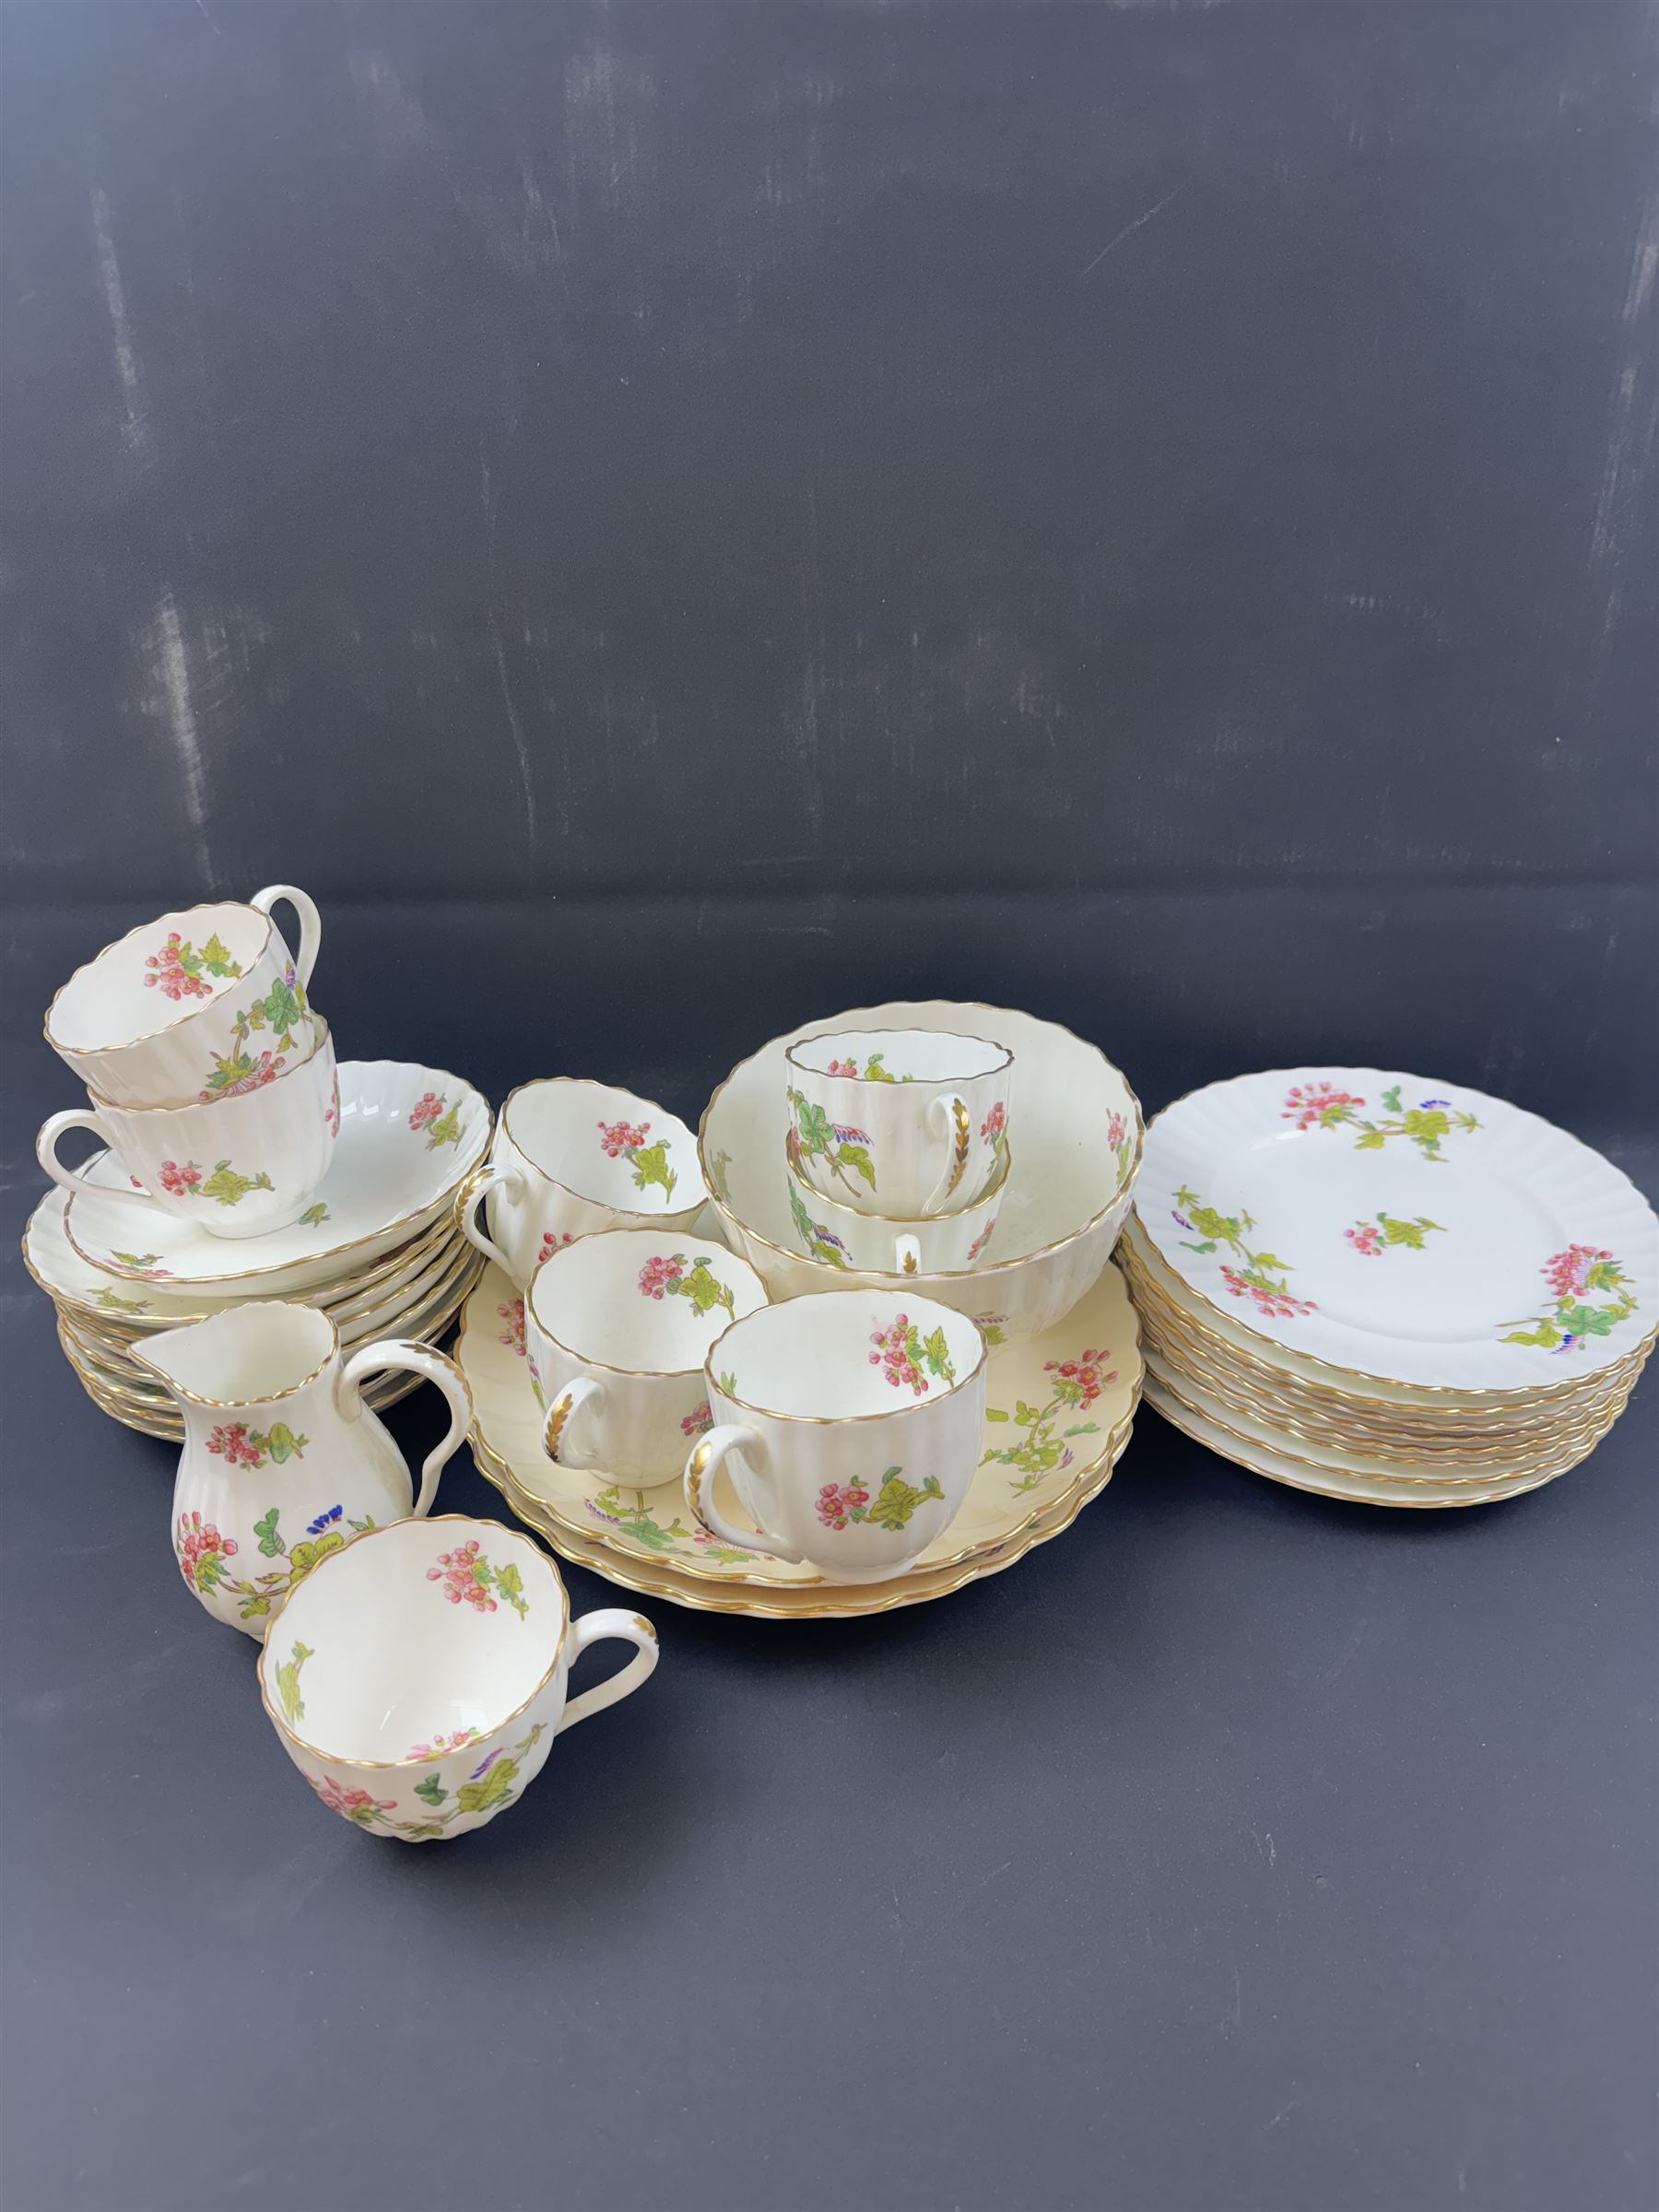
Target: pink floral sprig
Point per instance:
(699, 1422)
(1318, 1105)
(1079, 1382)
(456, 1570)
(233, 1441)
(170, 977)
(837, 1505)
(426, 1110)
(1116, 1130)
(893, 1355)
(442, 1745)
(513, 1314)
(1276, 1305)
(616, 1138)
(1568, 1273)
(659, 1274)
(180, 1181)
(360, 1806)
(203, 1554)
(1366, 1239)
(993, 1124)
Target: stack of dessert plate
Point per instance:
(1059, 1406)
(1384, 1289)
(379, 1252)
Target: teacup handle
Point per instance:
(419, 1359)
(311, 923)
(594, 1628)
(81, 1117)
(580, 1391)
(698, 1482)
(958, 1123)
(476, 1188)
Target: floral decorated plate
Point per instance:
(1392, 1229)
(408, 1137)
(1064, 1200)
(1302, 1475)
(1057, 1407)
(811, 1601)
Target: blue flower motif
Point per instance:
(1424, 1104)
(323, 1521)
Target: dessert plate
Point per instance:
(1400, 1231)
(1057, 1408)
(819, 1601)
(1301, 1475)
(1062, 1205)
(409, 1135)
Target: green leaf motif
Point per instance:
(702, 1286)
(229, 1188)
(432, 1790)
(896, 1500)
(509, 1584)
(445, 1129)
(287, 1683)
(314, 1216)
(282, 1443)
(215, 959)
(271, 1545)
(649, 1164)
(494, 1784)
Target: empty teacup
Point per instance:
(899, 1121)
(571, 1158)
(243, 1165)
(617, 1328)
(200, 1004)
(839, 1236)
(850, 1424)
(417, 1677)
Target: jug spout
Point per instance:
(246, 1355)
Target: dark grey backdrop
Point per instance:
(670, 519)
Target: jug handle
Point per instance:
(478, 1185)
(420, 1360)
(310, 923)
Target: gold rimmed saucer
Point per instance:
(1057, 1406)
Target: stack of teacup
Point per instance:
(212, 1080)
(897, 1148)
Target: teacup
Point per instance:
(417, 1676)
(839, 1236)
(245, 1164)
(617, 1328)
(571, 1158)
(201, 1004)
(851, 1425)
(903, 1122)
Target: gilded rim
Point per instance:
(1360, 1374)
(1178, 1350)
(608, 1367)
(604, 1539)
(386, 1766)
(1576, 1448)
(197, 1397)
(844, 1420)
(140, 929)
(988, 1197)
(1496, 1400)
(978, 1074)
(419, 1216)
(1402, 1503)
(119, 1401)
(630, 1219)
(988, 1273)
(706, 1597)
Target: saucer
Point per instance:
(818, 1601)
(1058, 1406)
(409, 1135)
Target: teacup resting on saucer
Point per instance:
(850, 1424)
(903, 1122)
(241, 1166)
(839, 1236)
(417, 1676)
(571, 1158)
(618, 1326)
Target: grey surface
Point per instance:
(672, 520)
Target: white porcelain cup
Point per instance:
(618, 1326)
(905, 1122)
(851, 1426)
(839, 1236)
(417, 1678)
(201, 1003)
(238, 1167)
(571, 1157)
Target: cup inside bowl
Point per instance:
(846, 1355)
(899, 1056)
(425, 1632)
(607, 1145)
(642, 1302)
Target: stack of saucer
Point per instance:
(243, 1163)
(1380, 1288)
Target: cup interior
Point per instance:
(425, 1630)
(846, 1355)
(246, 1355)
(901, 1055)
(607, 1145)
(640, 1301)
(157, 975)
